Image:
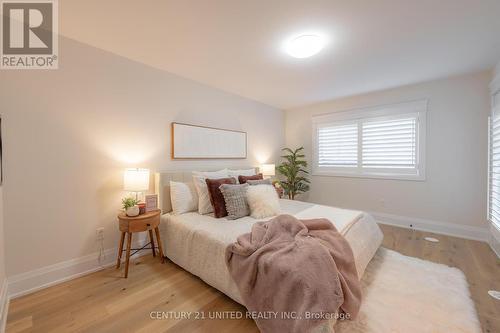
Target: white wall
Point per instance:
(3, 275)
(69, 133)
(455, 187)
(2, 244)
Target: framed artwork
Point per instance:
(151, 202)
(201, 142)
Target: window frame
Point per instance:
(358, 116)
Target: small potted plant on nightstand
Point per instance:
(130, 205)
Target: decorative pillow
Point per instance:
(263, 201)
(241, 172)
(259, 182)
(235, 197)
(204, 205)
(183, 197)
(216, 197)
(243, 179)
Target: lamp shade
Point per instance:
(136, 180)
(268, 169)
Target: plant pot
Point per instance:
(132, 211)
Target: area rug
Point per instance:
(409, 295)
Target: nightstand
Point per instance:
(129, 225)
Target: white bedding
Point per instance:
(198, 243)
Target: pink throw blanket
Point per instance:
(295, 275)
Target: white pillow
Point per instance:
(212, 174)
(183, 197)
(204, 204)
(263, 201)
(242, 172)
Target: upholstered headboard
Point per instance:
(162, 184)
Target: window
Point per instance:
(494, 167)
(382, 142)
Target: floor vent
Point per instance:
(494, 294)
(431, 239)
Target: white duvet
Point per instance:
(198, 243)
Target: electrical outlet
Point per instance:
(99, 233)
(382, 203)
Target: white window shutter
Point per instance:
(494, 171)
(390, 143)
(338, 145)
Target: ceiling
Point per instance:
(236, 45)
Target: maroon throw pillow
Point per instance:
(216, 197)
(243, 179)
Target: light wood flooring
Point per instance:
(106, 302)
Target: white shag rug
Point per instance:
(408, 295)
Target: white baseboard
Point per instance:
(438, 227)
(495, 240)
(4, 305)
(29, 282)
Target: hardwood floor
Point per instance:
(476, 259)
(106, 302)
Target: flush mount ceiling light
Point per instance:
(305, 46)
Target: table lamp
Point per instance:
(268, 170)
(136, 180)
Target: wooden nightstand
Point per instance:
(145, 222)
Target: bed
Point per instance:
(198, 243)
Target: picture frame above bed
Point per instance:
(201, 142)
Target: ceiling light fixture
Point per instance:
(305, 46)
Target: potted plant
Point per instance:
(130, 205)
(294, 170)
